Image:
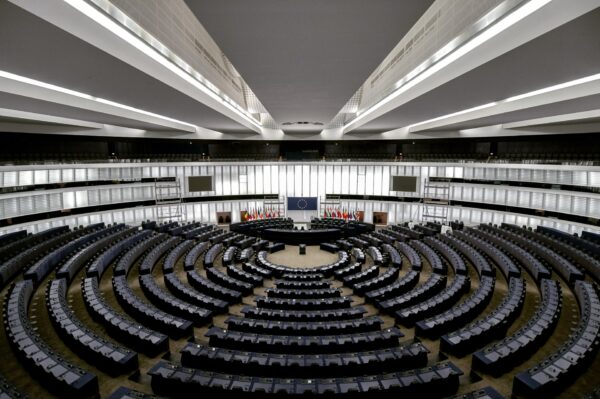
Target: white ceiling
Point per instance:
(303, 60)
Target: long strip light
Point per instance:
(549, 89)
(452, 115)
(63, 90)
(545, 90)
(115, 28)
(423, 72)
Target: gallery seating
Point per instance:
(440, 379)
(480, 263)
(458, 315)
(211, 254)
(432, 286)
(492, 326)
(278, 327)
(520, 345)
(42, 267)
(125, 263)
(156, 319)
(574, 355)
(194, 254)
(433, 258)
(311, 293)
(35, 354)
(384, 279)
(174, 255)
(303, 304)
(222, 279)
(218, 302)
(118, 325)
(506, 265)
(396, 288)
(270, 330)
(354, 312)
(171, 304)
(352, 342)
(332, 365)
(98, 351)
(393, 254)
(36, 246)
(436, 304)
(565, 268)
(528, 261)
(410, 254)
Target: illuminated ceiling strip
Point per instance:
(190, 75)
(420, 73)
(465, 111)
(549, 89)
(43, 118)
(575, 117)
(21, 85)
(508, 104)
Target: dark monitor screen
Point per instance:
(404, 183)
(200, 183)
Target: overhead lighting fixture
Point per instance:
(427, 68)
(545, 90)
(464, 111)
(47, 86)
(550, 89)
(157, 51)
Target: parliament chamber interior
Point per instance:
(316, 198)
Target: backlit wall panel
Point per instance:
(299, 179)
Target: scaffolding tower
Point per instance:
(169, 202)
(435, 202)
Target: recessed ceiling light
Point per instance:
(302, 123)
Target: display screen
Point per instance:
(200, 183)
(404, 183)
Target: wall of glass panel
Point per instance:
(570, 202)
(40, 201)
(261, 175)
(315, 179)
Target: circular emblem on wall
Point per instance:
(302, 204)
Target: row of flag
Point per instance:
(260, 213)
(340, 213)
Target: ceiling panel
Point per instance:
(564, 107)
(27, 104)
(305, 58)
(566, 53)
(34, 48)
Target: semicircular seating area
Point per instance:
(118, 311)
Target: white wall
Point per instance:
(301, 179)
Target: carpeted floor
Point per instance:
(314, 257)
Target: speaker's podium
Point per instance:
(302, 249)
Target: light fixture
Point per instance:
(545, 90)
(73, 93)
(427, 68)
(559, 86)
(180, 68)
(464, 111)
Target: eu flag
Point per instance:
(302, 204)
